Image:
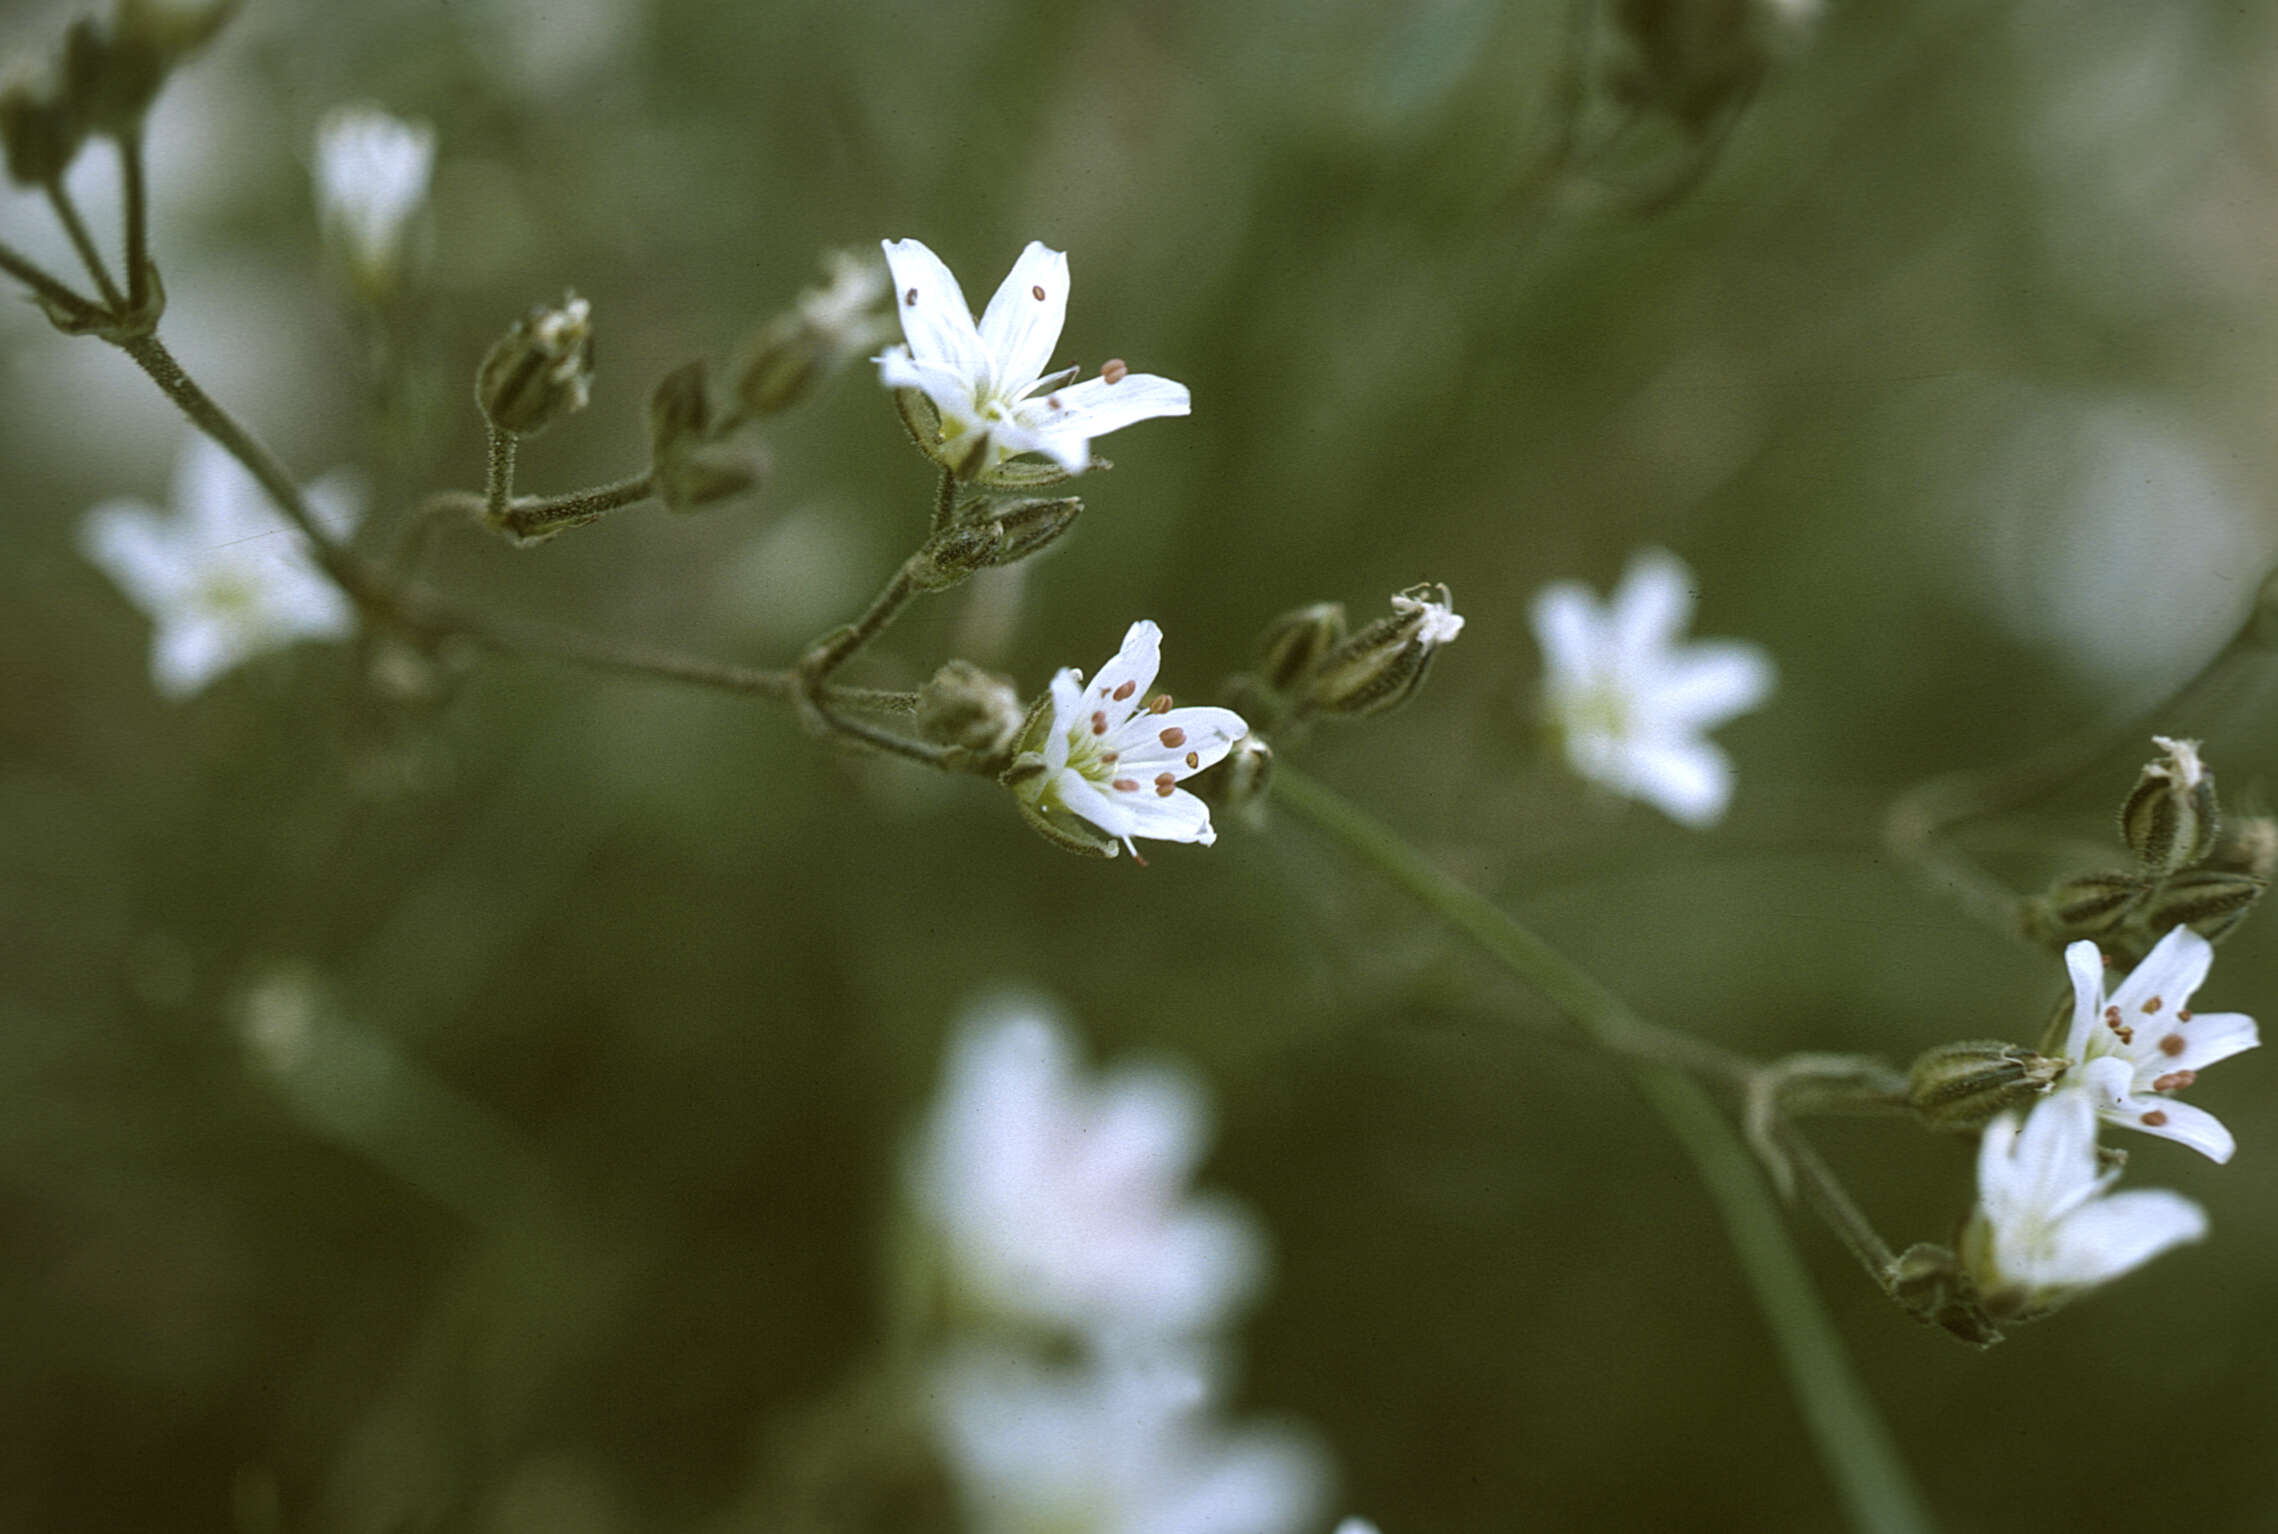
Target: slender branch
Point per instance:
(67, 214)
(1854, 1445)
(824, 657)
(136, 196)
(79, 310)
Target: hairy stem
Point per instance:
(537, 517)
(944, 501)
(498, 479)
(1854, 1445)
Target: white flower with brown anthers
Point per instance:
(2045, 1227)
(2130, 1050)
(987, 382)
(1113, 757)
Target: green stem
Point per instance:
(1854, 1445)
(137, 199)
(67, 214)
(538, 517)
(498, 479)
(51, 290)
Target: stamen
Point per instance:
(2174, 1081)
(1193, 760)
(1124, 786)
(2154, 1004)
(1174, 737)
(1165, 785)
(1114, 370)
(1161, 705)
(1107, 758)
(1099, 722)
(911, 298)
(2112, 1021)
(1037, 293)
(1125, 691)
(2183, 1014)
(2172, 1045)
(2154, 1119)
(1052, 400)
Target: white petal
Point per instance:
(1023, 322)
(1566, 625)
(1702, 685)
(935, 317)
(1133, 667)
(2171, 972)
(1688, 780)
(219, 501)
(336, 501)
(1096, 407)
(1067, 707)
(2085, 962)
(190, 652)
(140, 551)
(2115, 1235)
(949, 389)
(1148, 1129)
(2177, 1121)
(1139, 812)
(1206, 734)
(2207, 1038)
(298, 602)
(1652, 604)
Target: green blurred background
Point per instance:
(1953, 378)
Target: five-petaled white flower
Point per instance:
(2145, 1041)
(1062, 1202)
(1113, 757)
(1114, 1449)
(225, 577)
(1630, 704)
(988, 383)
(2045, 1226)
(372, 172)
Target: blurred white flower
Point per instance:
(2044, 1226)
(2145, 1041)
(372, 173)
(1356, 1526)
(1114, 758)
(1629, 703)
(1439, 623)
(1063, 1202)
(1114, 1450)
(224, 577)
(985, 382)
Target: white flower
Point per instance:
(2044, 1225)
(1113, 758)
(225, 577)
(1439, 624)
(988, 383)
(1114, 1450)
(1630, 704)
(1063, 1202)
(372, 172)
(2146, 1041)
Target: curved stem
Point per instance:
(539, 517)
(1854, 1445)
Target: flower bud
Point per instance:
(1962, 1086)
(2210, 901)
(952, 554)
(1928, 1281)
(540, 370)
(2248, 845)
(1297, 641)
(970, 710)
(1239, 784)
(1381, 667)
(1003, 534)
(1029, 527)
(2087, 906)
(2170, 818)
(797, 349)
(40, 133)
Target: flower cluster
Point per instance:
(1084, 1286)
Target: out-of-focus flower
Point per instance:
(2144, 1042)
(988, 383)
(1356, 1526)
(1113, 758)
(1061, 1202)
(1630, 704)
(224, 577)
(372, 174)
(2045, 1227)
(1118, 1449)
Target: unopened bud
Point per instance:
(2170, 818)
(39, 132)
(952, 554)
(541, 369)
(797, 349)
(1297, 641)
(1928, 1281)
(2210, 901)
(2086, 906)
(1003, 534)
(1381, 667)
(1029, 527)
(970, 710)
(1238, 785)
(1962, 1086)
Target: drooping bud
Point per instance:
(689, 471)
(39, 132)
(970, 710)
(799, 348)
(2087, 906)
(1928, 1282)
(2171, 818)
(1297, 641)
(2210, 901)
(540, 370)
(1381, 667)
(1239, 784)
(1964, 1085)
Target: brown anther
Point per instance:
(1107, 758)
(1036, 293)
(2154, 1004)
(1125, 691)
(2112, 1016)
(2154, 1119)
(911, 298)
(2172, 1045)
(2183, 1014)
(1099, 722)
(2174, 1081)
(1161, 705)
(1114, 370)
(1165, 785)
(1053, 400)
(1193, 761)
(1124, 786)
(1174, 737)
